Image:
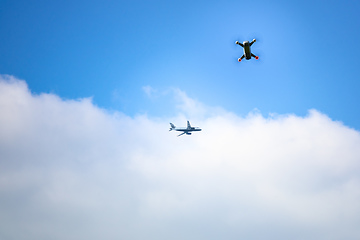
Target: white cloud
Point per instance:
(149, 91)
(70, 170)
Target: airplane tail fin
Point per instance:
(172, 127)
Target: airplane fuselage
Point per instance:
(187, 130)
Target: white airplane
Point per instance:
(186, 131)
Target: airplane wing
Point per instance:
(181, 134)
(188, 125)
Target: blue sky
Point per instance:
(88, 88)
(110, 50)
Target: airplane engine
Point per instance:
(188, 133)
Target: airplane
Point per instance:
(186, 131)
(247, 52)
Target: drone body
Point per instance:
(247, 51)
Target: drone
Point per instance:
(247, 52)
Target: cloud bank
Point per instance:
(71, 170)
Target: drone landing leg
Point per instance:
(254, 40)
(238, 43)
(241, 58)
(256, 57)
